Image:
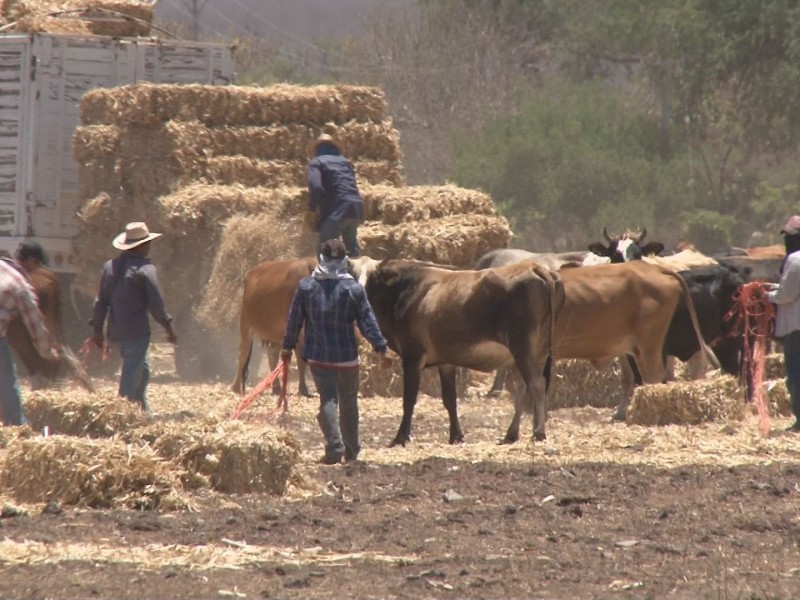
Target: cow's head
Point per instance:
(361, 268)
(626, 247)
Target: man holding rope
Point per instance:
(786, 295)
(327, 304)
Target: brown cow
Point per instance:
(268, 291)
(48, 292)
(438, 316)
(617, 310)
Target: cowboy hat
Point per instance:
(135, 234)
(324, 139)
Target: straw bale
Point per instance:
(687, 403)
(576, 382)
(777, 394)
(253, 172)
(232, 456)
(81, 413)
(246, 242)
(394, 206)
(773, 366)
(97, 473)
(240, 106)
(94, 141)
(453, 240)
(96, 20)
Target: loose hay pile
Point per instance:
(690, 403)
(95, 473)
(118, 18)
(577, 383)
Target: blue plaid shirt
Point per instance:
(328, 308)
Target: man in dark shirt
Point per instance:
(333, 192)
(128, 292)
(327, 304)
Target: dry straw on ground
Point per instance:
(689, 403)
(97, 473)
(81, 413)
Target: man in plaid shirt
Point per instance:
(327, 304)
(18, 298)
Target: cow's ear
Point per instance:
(652, 249)
(598, 249)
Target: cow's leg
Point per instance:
(273, 355)
(535, 378)
(516, 389)
(245, 352)
(498, 383)
(630, 379)
(412, 372)
(447, 377)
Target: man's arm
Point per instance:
(101, 305)
(368, 323)
(316, 191)
(293, 325)
(155, 302)
(789, 289)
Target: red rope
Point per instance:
(754, 320)
(282, 406)
(86, 351)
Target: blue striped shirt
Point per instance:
(328, 308)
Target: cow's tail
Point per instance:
(558, 298)
(243, 362)
(707, 351)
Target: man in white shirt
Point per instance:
(786, 295)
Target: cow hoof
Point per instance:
(494, 393)
(507, 441)
(539, 437)
(457, 440)
(398, 441)
(618, 417)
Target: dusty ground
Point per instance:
(599, 510)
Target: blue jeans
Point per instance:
(347, 229)
(338, 411)
(791, 362)
(135, 371)
(10, 399)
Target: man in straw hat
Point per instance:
(326, 305)
(128, 292)
(333, 193)
(786, 295)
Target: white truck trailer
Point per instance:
(42, 79)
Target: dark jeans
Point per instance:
(10, 399)
(347, 229)
(338, 411)
(135, 371)
(791, 362)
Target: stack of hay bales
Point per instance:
(221, 170)
(119, 18)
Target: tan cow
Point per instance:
(268, 291)
(438, 316)
(620, 310)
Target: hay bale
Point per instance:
(457, 240)
(119, 18)
(687, 403)
(773, 366)
(577, 383)
(97, 473)
(780, 404)
(242, 246)
(80, 413)
(397, 205)
(236, 106)
(233, 457)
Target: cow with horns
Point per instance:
(626, 247)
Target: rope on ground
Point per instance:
(282, 406)
(754, 319)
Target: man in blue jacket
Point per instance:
(333, 193)
(327, 304)
(128, 293)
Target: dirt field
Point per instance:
(599, 510)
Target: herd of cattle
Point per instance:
(515, 312)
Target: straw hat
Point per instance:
(322, 139)
(135, 234)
